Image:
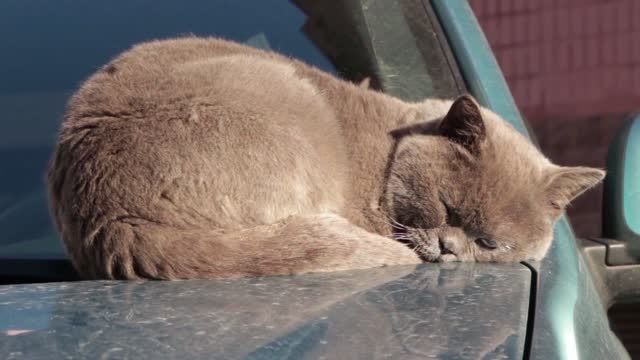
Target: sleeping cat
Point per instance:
(203, 158)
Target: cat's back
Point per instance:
(210, 125)
(187, 69)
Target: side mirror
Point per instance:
(621, 203)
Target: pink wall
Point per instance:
(566, 57)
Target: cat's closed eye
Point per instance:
(486, 243)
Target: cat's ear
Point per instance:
(464, 125)
(565, 183)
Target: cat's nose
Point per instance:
(444, 249)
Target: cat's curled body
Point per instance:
(200, 158)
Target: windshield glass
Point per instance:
(48, 48)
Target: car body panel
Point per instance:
(430, 311)
(570, 321)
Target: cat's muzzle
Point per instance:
(427, 244)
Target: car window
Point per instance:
(49, 47)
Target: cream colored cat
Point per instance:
(202, 158)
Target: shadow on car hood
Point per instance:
(449, 311)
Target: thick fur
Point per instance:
(201, 158)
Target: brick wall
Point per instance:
(574, 69)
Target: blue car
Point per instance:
(412, 49)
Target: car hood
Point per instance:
(440, 311)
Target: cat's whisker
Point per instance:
(417, 248)
(396, 227)
(395, 224)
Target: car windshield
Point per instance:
(49, 47)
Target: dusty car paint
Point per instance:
(446, 312)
